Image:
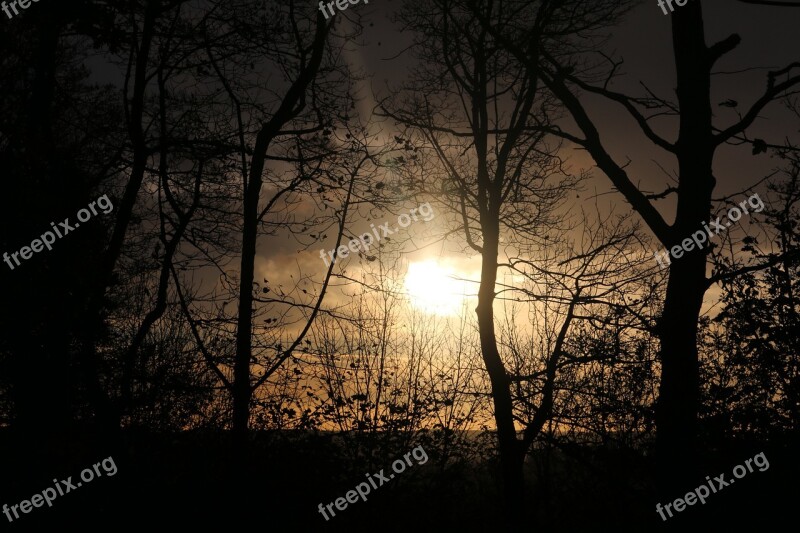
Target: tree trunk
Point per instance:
(676, 412)
(678, 401)
(106, 413)
(291, 106)
(509, 448)
(242, 391)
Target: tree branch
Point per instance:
(768, 96)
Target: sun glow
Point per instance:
(434, 289)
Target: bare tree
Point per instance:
(477, 113)
(695, 147)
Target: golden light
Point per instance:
(434, 289)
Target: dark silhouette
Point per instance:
(557, 378)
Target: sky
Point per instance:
(643, 40)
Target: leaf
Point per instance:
(759, 146)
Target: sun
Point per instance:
(434, 289)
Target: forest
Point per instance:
(442, 265)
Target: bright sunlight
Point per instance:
(434, 289)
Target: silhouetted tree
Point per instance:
(697, 142)
(478, 112)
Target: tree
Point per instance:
(695, 147)
(477, 113)
(752, 345)
(58, 152)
